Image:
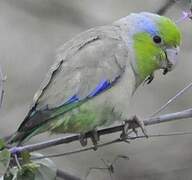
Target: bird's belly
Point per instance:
(102, 110)
(86, 118)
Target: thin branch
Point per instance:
(113, 142)
(118, 128)
(168, 4)
(79, 150)
(182, 91)
(17, 161)
(1, 87)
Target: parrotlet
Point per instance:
(97, 72)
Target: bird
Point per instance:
(96, 73)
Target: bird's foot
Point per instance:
(125, 132)
(94, 138)
(133, 123)
(83, 139)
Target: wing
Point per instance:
(86, 66)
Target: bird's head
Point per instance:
(154, 42)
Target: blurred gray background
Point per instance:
(30, 33)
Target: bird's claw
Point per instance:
(133, 123)
(125, 132)
(93, 136)
(83, 140)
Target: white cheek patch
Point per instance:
(172, 55)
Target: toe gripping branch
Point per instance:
(132, 124)
(94, 136)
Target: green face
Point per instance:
(154, 52)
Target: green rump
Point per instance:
(83, 118)
(79, 119)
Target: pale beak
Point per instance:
(171, 54)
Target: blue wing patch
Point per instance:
(101, 87)
(72, 99)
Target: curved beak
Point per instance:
(171, 57)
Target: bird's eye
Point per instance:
(157, 39)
